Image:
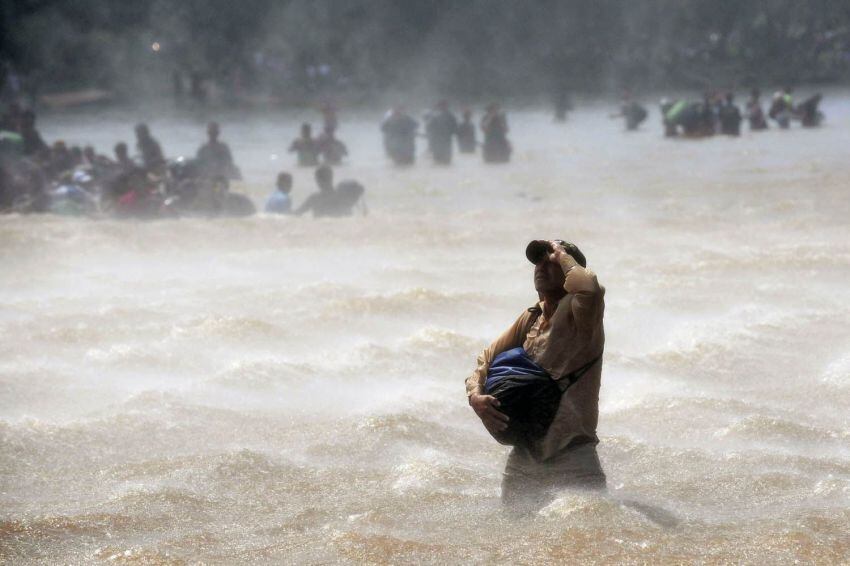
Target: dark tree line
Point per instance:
(471, 48)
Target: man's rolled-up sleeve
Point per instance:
(582, 284)
(510, 338)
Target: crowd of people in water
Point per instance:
(717, 113)
(39, 177)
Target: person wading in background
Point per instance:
(306, 147)
(466, 142)
(441, 129)
(150, 150)
(494, 125)
(214, 157)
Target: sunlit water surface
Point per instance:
(290, 389)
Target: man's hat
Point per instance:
(536, 250)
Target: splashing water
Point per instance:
(287, 389)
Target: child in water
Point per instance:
(279, 201)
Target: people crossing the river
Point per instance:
(330, 200)
(441, 129)
(149, 149)
(279, 201)
(782, 108)
(331, 149)
(633, 113)
(306, 147)
(729, 116)
(718, 114)
(32, 170)
(399, 131)
(809, 112)
(214, 157)
(494, 126)
(755, 113)
(466, 140)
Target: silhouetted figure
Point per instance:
(122, 157)
(729, 116)
(441, 128)
(669, 110)
(330, 201)
(782, 108)
(635, 114)
(149, 148)
(123, 174)
(214, 157)
(33, 144)
(689, 119)
(332, 150)
(98, 165)
(232, 204)
(809, 112)
(466, 142)
(400, 136)
(755, 114)
(494, 125)
(708, 116)
(279, 201)
(306, 147)
(632, 112)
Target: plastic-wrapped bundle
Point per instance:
(527, 395)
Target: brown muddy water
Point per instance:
(290, 390)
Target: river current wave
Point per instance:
(289, 389)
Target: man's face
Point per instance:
(548, 276)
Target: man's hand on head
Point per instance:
(557, 251)
(486, 407)
(560, 256)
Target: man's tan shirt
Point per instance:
(572, 337)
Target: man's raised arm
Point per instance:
(583, 285)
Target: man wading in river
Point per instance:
(545, 372)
